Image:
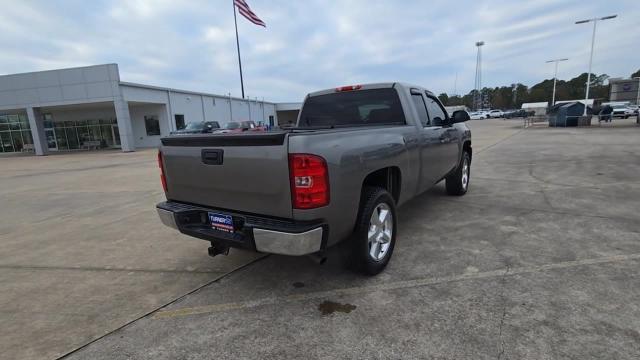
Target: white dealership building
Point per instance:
(91, 108)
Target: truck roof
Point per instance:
(382, 85)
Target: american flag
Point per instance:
(245, 11)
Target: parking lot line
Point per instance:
(508, 271)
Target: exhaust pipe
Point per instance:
(318, 258)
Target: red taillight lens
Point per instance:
(309, 181)
(348, 88)
(161, 166)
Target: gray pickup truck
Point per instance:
(355, 154)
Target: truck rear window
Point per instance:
(353, 108)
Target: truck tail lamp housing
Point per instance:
(163, 179)
(348, 88)
(309, 181)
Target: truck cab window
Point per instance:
(419, 104)
(436, 113)
(373, 107)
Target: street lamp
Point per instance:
(593, 39)
(638, 96)
(478, 80)
(555, 77)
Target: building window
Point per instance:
(15, 135)
(179, 121)
(48, 121)
(152, 125)
(213, 101)
(271, 122)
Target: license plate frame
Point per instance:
(221, 222)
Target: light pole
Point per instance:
(555, 77)
(593, 40)
(478, 81)
(638, 96)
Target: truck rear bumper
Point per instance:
(277, 242)
(252, 232)
(167, 218)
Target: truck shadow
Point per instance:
(425, 206)
(417, 254)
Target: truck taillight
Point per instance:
(348, 88)
(309, 181)
(161, 166)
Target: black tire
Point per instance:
(455, 182)
(361, 259)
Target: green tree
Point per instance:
(501, 97)
(505, 97)
(455, 100)
(444, 99)
(542, 91)
(636, 74)
(522, 91)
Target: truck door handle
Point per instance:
(212, 156)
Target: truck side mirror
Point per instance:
(460, 116)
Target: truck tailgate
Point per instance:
(246, 172)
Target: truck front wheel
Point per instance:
(458, 182)
(375, 232)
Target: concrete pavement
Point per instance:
(539, 260)
(82, 251)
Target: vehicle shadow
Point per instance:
(416, 255)
(338, 265)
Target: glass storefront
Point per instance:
(72, 135)
(15, 133)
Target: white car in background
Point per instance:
(622, 111)
(478, 115)
(495, 114)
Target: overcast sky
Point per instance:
(314, 44)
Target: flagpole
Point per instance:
(238, 47)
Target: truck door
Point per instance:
(448, 135)
(429, 144)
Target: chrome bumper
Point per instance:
(167, 218)
(270, 241)
(276, 242)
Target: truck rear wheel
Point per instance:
(458, 182)
(375, 233)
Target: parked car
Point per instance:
(622, 111)
(202, 127)
(508, 113)
(495, 114)
(240, 126)
(356, 153)
(518, 113)
(478, 115)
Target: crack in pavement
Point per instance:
(107, 269)
(404, 284)
(498, 142)
(504, 311)
(217, 278)
(559, 212)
